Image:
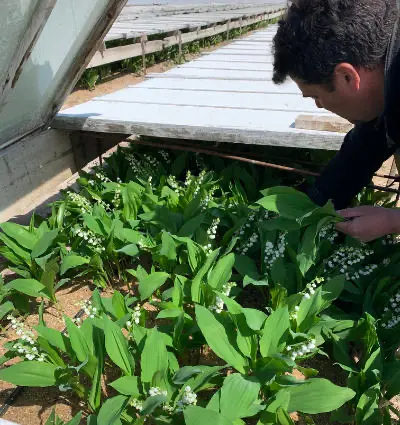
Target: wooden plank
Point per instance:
(323, 123)
(238, 86)
(236, 66)
(29, 38)
(226, 58)
(257, 101)
(209, 124)
(220, 74)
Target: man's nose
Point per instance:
(319, 104)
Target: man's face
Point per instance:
(357, 95)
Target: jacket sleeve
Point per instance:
(364, 150)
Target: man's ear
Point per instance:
(346, 78)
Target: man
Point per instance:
(345, 54)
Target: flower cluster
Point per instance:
(136, 404)
(29, 352)
(346, 257)
(135, 318)
(157, 391)
(311, 287)
(168, 408)
(212, 231)
(328, 232)
(209, 198)
(218, 307)
(301, 350)
(165, 156)
(389, 240)
(272, 253)
(89, 310)
(26, 346)
(174, 184)
(117, 198)
(189, 398)
(103, 178)
(199, 182)
(393, 311)
(208, 249)
(152, 161)
(93, 241)
(188, 180)
(250, 243)
(366, 271)
(83, 203)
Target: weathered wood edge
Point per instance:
(306, 139)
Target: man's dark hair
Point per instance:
(317, 35)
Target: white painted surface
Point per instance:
(207, 100)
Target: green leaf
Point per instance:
(154, 356)
(72, 262)
(247, 267)
(168, 246)
(30, 287)
(191, 226)
(131, 250)
(118, 303)
(6, 308)
(222, 272)
(44, 243)
(30, 374)
(238, 397)
(76, 420)
(217, 338)
(19, 234)
(152, 403)
(185, 373)
(92, 224)
(323, 297)
(78, 341)
(283, 417)
(254, 318)
(117, 346)
(318, 396)
(287, 202)
(196, 289)
(149, 284)
(275, 332)
(368, 412)
(127, 385)
(195, 415)
(111, 411)
(55, 338)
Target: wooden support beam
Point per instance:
(323, 123)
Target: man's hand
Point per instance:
(370, 223)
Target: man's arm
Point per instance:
(363, 152)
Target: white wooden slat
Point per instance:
(215, 73)
(234, 59)
(234, 86)
(239, 66)
(225, 125)
(245, 101)
(242, 52)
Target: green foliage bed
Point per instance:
(196, 238)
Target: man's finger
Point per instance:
(351, 212)
(344, 227)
